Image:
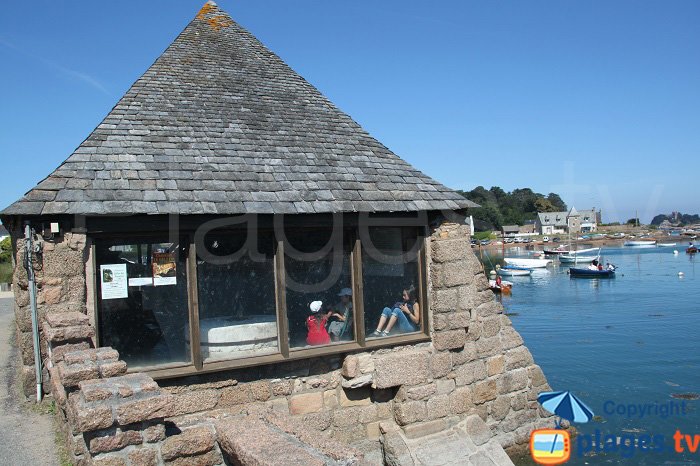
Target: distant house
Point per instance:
(554, 223)
(510, 231)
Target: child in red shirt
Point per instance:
(316, 323)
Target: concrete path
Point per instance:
(26, 437)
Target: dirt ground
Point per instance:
(26, 429)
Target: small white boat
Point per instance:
(529, 263)
(512, 271)
(641, 244)
(574, 258)
(666, 245)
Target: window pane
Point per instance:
(143, 307)
(390, 281)
(236, 280)
(319, 298)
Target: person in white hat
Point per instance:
(316, 325)
(341, 326)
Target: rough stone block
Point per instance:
(484, 391)
(500, 407)
(350, 368)
(445, 386)
(450, 250)
(63, 334)
(410, 412)
(189, 442)
(108, 460)
(210, 458)
(406, 367)
(112, 369)
(92, 355)
(318, 421)
(365, 363)
(58, 352)
(253, 441)
(486, 347)
(490, 326)
(346, 417)
(146, 409)
(194, 401)
(495, 365)
(513, 381)
(154, 433)
(518, 357)
(445, 300)
(235, 395)
(114, 441)
(470, 372)
(461, 400)
(440, 364)
(464, 355)
(449, 339)
(438, 406)
(66, 319)
(459, 320)
(355, 397)
(373, 432)
(451, 274)
(86, 418)
(281, 387)
(420, 392)
(305, 403)
(536, 376)
(510, 338)
(143, 457)
(260, 391)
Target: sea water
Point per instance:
(629, 347)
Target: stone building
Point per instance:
(575, 221)
(182, 249)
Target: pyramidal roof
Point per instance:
(221, 125)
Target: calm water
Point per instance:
(632, 339)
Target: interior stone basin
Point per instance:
(222, 337)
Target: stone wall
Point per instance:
(110, 418)
(476, 364)
(60, 282)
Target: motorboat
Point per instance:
(641, 244)
(529, 263)
(505, 288)
(575, 258)
(514, 271)
(590, 273)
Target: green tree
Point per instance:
(557, 202)
(5, 250)
(544, 205)
(633, 221)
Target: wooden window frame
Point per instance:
(284, 353)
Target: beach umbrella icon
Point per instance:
(566, 405)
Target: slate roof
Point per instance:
(221, 125)
(559, 219)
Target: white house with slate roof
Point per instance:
(211, 229)
(578, 221)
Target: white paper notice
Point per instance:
(113, 279)
(141, 281)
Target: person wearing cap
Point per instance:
(316, 325)
(342, 313)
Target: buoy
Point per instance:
(680, 274)
(675, 252)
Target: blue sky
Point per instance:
(598, 101)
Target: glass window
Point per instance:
(390, 281)
(236, 280)
(142, 301)
(318, 280)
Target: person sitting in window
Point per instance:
(406, 313)
(316, 325)
(340, 327)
